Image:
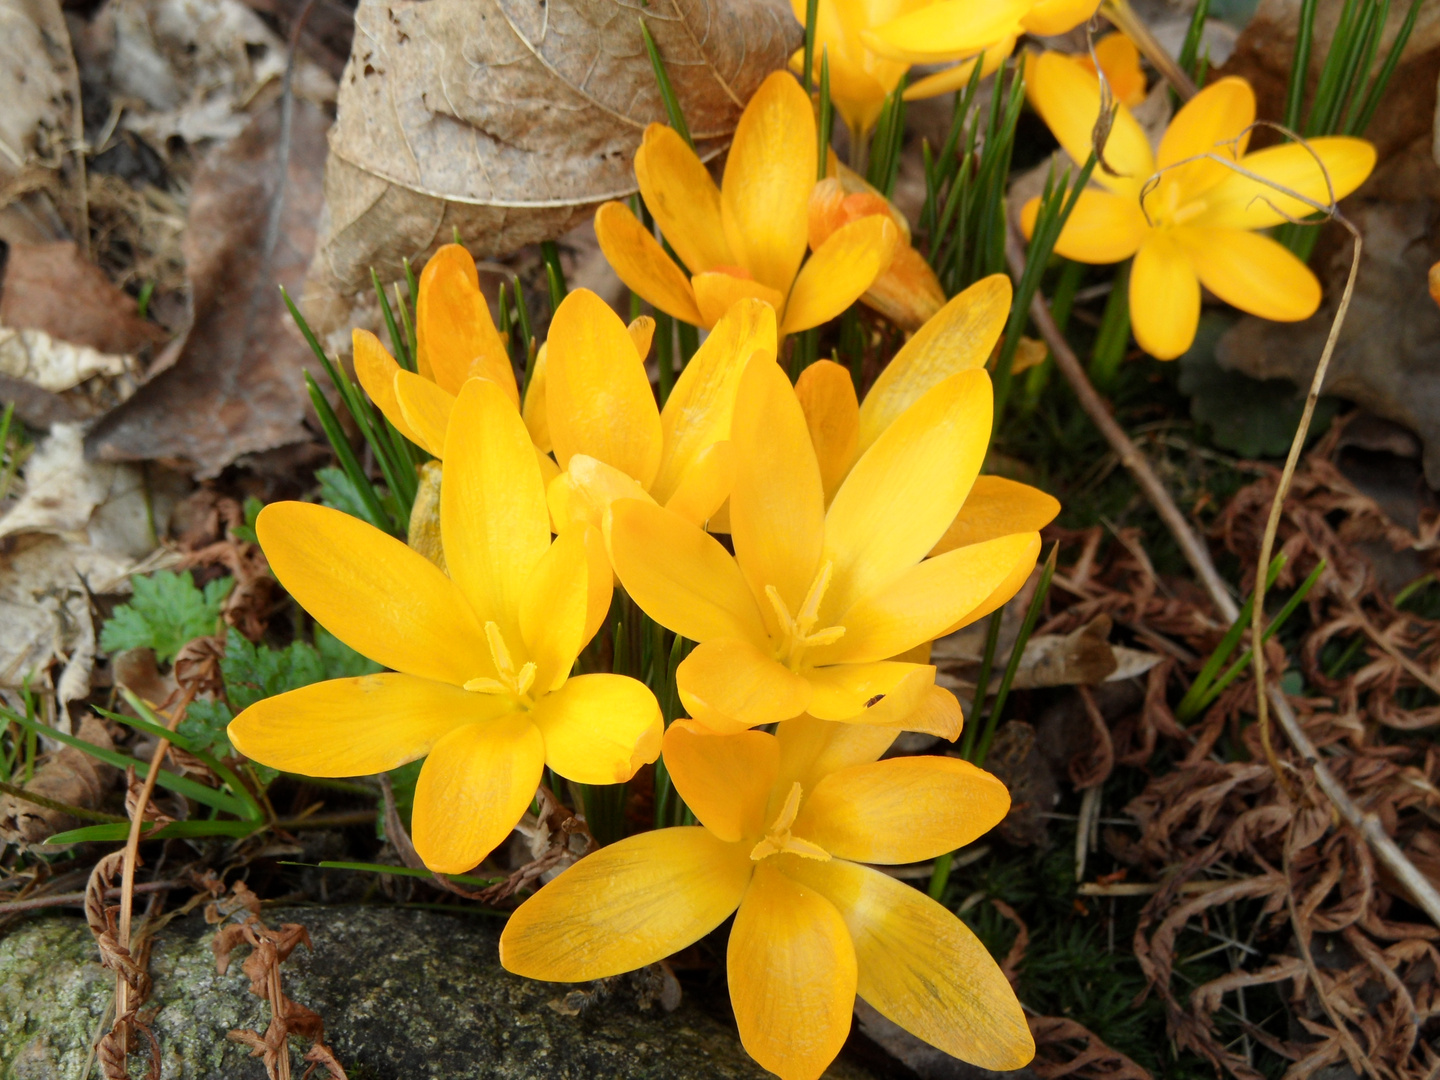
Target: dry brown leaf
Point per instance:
(39, 87)
(237, 385)
(510, 121)
(52, 287)
(68, 776)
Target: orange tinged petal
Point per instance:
(627, 905)
(455, 338)
(768, 177)
(907, 292)
(998, 507)
(641, 263)
(827, 396)
(717, 291)
(725, 780)
(840, 271)
(642, 333)
(729, 685)
(473, 789)
(791, 970)
(682, 198)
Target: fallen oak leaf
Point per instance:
(510, 122)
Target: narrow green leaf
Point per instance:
(667, 92)
(175, 829)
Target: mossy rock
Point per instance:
(405, 994)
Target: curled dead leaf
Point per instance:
(68, 776)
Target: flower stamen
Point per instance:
(778, 839)
(515, 684)
(797, 632)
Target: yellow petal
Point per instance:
(937, 713)
(857, 94)
(923, 600)
(948, 30)
(600, 582)
(453, 330)
(1050, 18)
(493, 518)
(791, 970)
(700, 407)
(1003, 594)
(1214, 121)
(536, 409)
(718, 291)
(376, 368)
(902, 810)
(641, 263)
(582, 495)
(356, 727)
(958, 77)
(1252, 272)
(1067, 97)
(906, 488)
(881, 693)
(707, 485)
(642, 333)
(960, 337)
(553, 609)
(777, 507)
(812, 749)
(682, 198)
(1238, 202)
(907, 292)
(598, 398)
(425, 410)
(827, 395)
(1164, 297)
(680, 575)
(768, 177)
(375, 594)
(599, 728)
(627, 905)
(1103, 228)
(1120, 61)
(725, 780)
(839, 272)
(923, 968)
(729, 685)
(998, 507)
(473, 788)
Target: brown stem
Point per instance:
(77, 899)
(1123, 16)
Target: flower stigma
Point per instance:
(777, 839)
(512, 683)
(797, 632)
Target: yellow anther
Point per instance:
(514, 683)
(797, 632)
(778, 839)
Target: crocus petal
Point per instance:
(924, 599)
(707, 485)
(812, 749)
(642, 333)
(725, 780)
(937, 713)
(1164, 297)
(700, 407)
(627, 905)
(948, 30)
(454, 333)
(1252, 272)
(906, 488)
(536, 410)
(641, 263)
(768, 177)
(473, 788)
(600, 582)
(867, 813)
(718, 291)
(1003, 594)
(680, 575)
(958, 77)
(372, 592)
(791, 970)
(777, 507)
(599, 728)
(1103, 228)
(960, 337)
(832, 413)
(376, 368)
(998, 507)
(553, 609)
(1067, 97)
(1120, 61)
(1049, 18)
(923, 968)
(906, 292)
(836, 275)
(425, 410)
(1240, 202)
(729, 685)
(493, 517)
(684, 200)
(582, 495)
(877, 693)
(356, 727)
(1214, 121)
(599, 400)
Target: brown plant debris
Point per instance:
(68, 777)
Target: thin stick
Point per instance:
(77, 899)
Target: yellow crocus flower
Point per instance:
(747, 238)
(481, 686)
(806, 614)
(1120, 61)
(787, 824)
(1194, 223)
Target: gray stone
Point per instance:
(405, 994)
